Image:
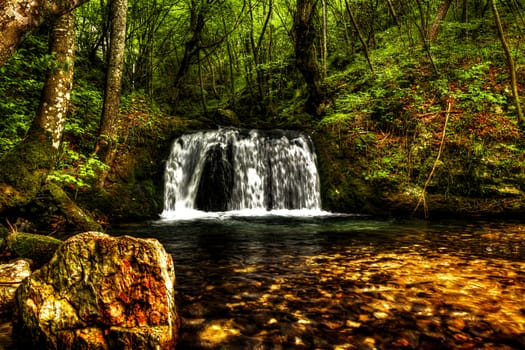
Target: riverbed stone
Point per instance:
(100, 292)
(11, 276)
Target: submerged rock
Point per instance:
(11, 275)
(100, 292)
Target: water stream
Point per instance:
(345, 282)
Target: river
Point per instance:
(345, 282)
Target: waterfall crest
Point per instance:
(237, 169)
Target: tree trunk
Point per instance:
(109, 130)
(25, 168)
(191, 48)
(440, 16)
(230, 64)
(512, 65)
(324, 40)
(261, 79)
(305, 35)
(424, 37)
(19, 17)
(392, 10)
(51, 115)
(255, 48)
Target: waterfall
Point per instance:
(237, 170)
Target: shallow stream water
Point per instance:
(345, 282)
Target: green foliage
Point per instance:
(21, 82)
(84, 116)
(75, 170)
(388, 121)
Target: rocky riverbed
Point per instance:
(392, 300)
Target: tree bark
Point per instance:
(109, 130)
(51, 115)
(19, 17)
(440, 16)
(305, 35)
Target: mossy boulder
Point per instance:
(100, 292)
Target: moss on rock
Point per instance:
(38, 248)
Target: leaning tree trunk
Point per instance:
(305, 35)
(360, 36)
(109, 130)
(512, 66)
(440, 16)
(25, 168)
(20, 17)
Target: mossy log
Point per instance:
(38, 248)
(75, 215)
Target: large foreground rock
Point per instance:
(100, 292)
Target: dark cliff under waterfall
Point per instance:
(239, 169)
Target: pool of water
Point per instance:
(345, 282)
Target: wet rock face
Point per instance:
(215, 185)
(11, 275)
(100, 292)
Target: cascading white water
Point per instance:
(236, 170)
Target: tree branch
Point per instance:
(19, 17)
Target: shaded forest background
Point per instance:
(414, 105)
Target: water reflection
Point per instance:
(346, 283)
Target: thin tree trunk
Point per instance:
(109, 130)
(392, 10)
(255, 53)
(464, 18)
(359, 35)
(426, 43)
(512, 65)
(191, 49)
(324, 40)
(305, 34)
(201, 85)
(20, 17)
(230, 64)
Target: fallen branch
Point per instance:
(422, 197)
